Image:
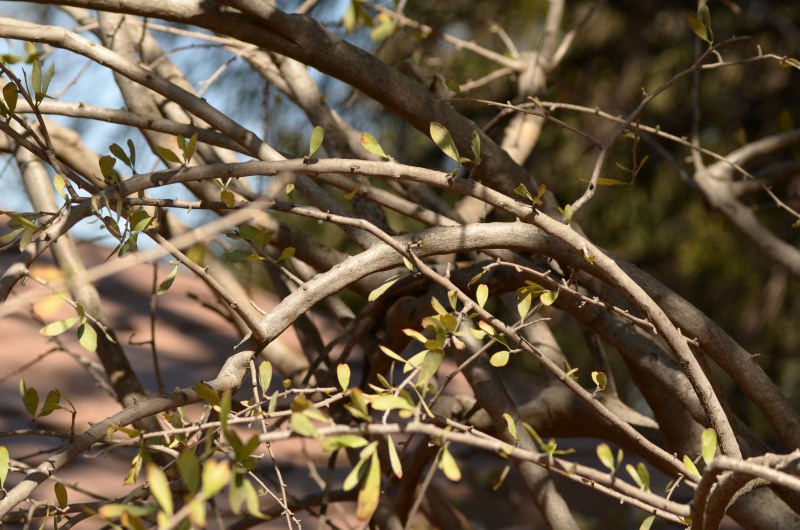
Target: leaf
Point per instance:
(264, 376)
(61, 494)
(452, 297)
(4, 465)
(317, 136)
(343, 373)
(167, 155)
(286, 253)
(370, 492)
(106, 163)
(36, 76)
(476, 147)
(227, 197)
(301, 424)
(57, 328)
(547, 298)
(394, 458)
(389, 353)
(51, 403)
(708, 443)
(512, 427)
(607, 181)
(647, 523)
(433, 359)
(690, 467)
(499, 359)
(48, 76)
(371, 144)
(448, 464)
(189, 469)
(87, 336)
(352, 441)
(237, 256)
(188, 149)
(701, 25)
(524, 303)
(216, 475)
(606, 456)
(352, 478)
(566, 211)
(438, 307)
(384, 29)
(441, 136)
(118, 152)
(206, 393)
(376, 293)
(164, 286)
(482, 294)
(159, 487)
(600, 380)
(349, 196)
(10, 95)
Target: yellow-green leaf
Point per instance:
(61, 494)
(4, 465)
(448, 464)
(606, 456)
(547, 298)
(690, 467)
(264, 376)
(87, 336)
(107, 165)
(343, 373)
(370, 492)
(371, 144)
(189, 469)
(167, 283)
(167, 155)
(512, 427)
(647, 523)
(376, 293)
(10, 95)
(394, 458)
(441, 136)
(708, 441)
(482, 294)
(317, 136)
(216, 475)
(159, 487)
(57, 328)
(206, 393)
(352, 441)
(499, 359)
(227, 197)
(600, 380)
(301, 425)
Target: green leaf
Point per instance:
(606, 456)
(48, 76)
(524, 301)
(167, 155)
(189, 469)
(600, 380)
(188, 149)
(36, 77)
(301, 424)
(30, 398)
(51, 403)
(87, 336)
(441, 136)
(566, 211)
(227, 197)
(286, 253)
(4, 465)
(499, 359)
(61, 494)
(690, 467)
(433, 359)
(438, 307)
(640, 476)
(206, 393)
(376, 293)
(237, 256)
(448, 464)
(476, 147)
(107, 165)
(159, 487)
(352, 441)
(57, 328)
(371, 144)
(394, 458)
(708, 443)
(370, 492)
(647, 523)
(167, 283)
(118, 152)
(701, 25)
(482, 294)
(352, 478)
(317, 136)
(216, 475)
(10, 95)
(343, 374)
(264, 376)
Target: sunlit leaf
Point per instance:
(512, 427)
(448, 465)
(482, 294)
(340, 441)
(476, 147)
(164, 286)
(384, 28)
(159, 487)
(87, 336)
(647, 523)
(315, 142)
(189, 469)
(51, 403)
(4, 465)
(600, 380)
(606, 456)
(206, 393)
(441, 136)
(264, 376)
(394, 458)
(708, 441)
(10, 95)
(370, 492)
(376, 293)
(216, 475)
(499, 359)
(301, 425)
(690, 467)
(433, 359)
(167, 155)
(57, 328)
(371, 144)
(343, 373)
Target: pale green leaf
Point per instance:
(371, 144)
(394, 458)
(370, 492)
(87, 336)
(317, 135)
(4, 465)
(600, 380)
(441, 136)
(57, 328)
(340, 441)
(499, 359)
(301, 424)
(216, 475)
(343, 373)
(167, 155)
(206, 393)
(448, 465)
(606, 456)
(389, 353)
(708, 441)
(264, 376)
(512, 427)
(376, 293)
(476, 147)
(189, 469)
(482, 294)
(647, 523)
(690, 467)
(167, 283)
(159, 487)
